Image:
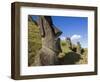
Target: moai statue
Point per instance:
(68, 43)
(78, 48)
(48, 54)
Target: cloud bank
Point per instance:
(62, 37)
(75, 38)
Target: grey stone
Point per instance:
(68, 43)
(78, 48)
(50, 42)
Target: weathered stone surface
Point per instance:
(50, 42)
(46, 57)
(68, 42)
(78, 48)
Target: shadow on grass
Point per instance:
(70, 58)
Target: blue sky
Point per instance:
(74, 27)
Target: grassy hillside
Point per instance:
(34, 41)
(84, 57)
(72, 57)
(64, 46)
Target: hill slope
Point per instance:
(34, 41)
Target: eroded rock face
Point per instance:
(50, 42)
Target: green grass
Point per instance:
(65, 50)
(84, 57)
(64, 46)
(34, 41)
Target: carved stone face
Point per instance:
(50, 34)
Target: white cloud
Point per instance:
(75, 38)
(62, 37)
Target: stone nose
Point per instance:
(57, 31)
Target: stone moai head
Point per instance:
(68, 42)
(78, 47)
(49, 33)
